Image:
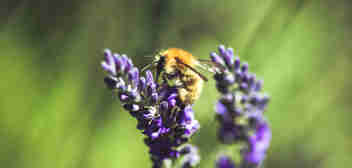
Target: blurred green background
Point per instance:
(56, 112)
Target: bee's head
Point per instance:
(158, 63)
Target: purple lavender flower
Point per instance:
(258, 143)
(241, 106)
(190, 156)
(166, 122)
(224, 162)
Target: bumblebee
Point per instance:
(179, 66)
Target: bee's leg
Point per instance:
(173, 113)
(180, 86)
(157, 75)
(173, 75)
(166, 79)
(188, 81)
(172, 79)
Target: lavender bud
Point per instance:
(123, 97)
(109, 65)
(227, 98)
(230, 79)
(131, 107)
(254, 100)
(154, 98)
(216, 58)
(187, 149)
(258, 144)
(222, 50)
(263, 102)
(244, 87)
(228, 56)
(124, 59)
(251, 81)
(149, 77)
(151, 88)
(164, 106)
(121, 85)
(133, 76)
(244, 67)
(108, 57)
(191, 127)
(244, 99)
(228, 132)
(237, 64)
(134, 95)
(107, 54)
(110, 82)
(258, 85)
(172, 103)
(190, 161)
(221, 110)
(129, 65)
(172, 96)
(142, 83)
(238, 75)
(117, 62)
(245, 77)
(224, 162)
(188, 114)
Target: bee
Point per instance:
(178, 65)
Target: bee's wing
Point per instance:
(191, 68)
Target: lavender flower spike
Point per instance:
(240, 108)
(166, 122)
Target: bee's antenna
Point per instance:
(149, 56)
